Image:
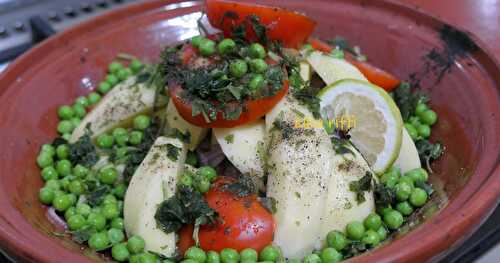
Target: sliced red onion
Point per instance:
(55, 219)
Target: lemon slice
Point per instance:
(375, 121)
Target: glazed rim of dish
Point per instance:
(481, 196)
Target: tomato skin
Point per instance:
(279, 21)
(244, 223)
(188, 53)
(255, 109)
(374, 74)
(185, 238)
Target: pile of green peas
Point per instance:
(419, 125)
(268, 254)
(199, 180)
(70, 116)
(252, 63)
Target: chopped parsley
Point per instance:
(172, 152)
(407, 99)
(229, 138)
(359, 187)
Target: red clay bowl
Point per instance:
(395, 37)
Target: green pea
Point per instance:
(119, 131)
(96, 220)
(44, 159)
(94, 98)
(119, 252)
(65, 183)
(63, 167)
(213, 257)
(238, 68)
(168, 261)
(46, 195)
(110, 211)
(418, 197)
(82, 100)
(69, 213)
(202, 185)
(192, 261)
(294, 261)
(79, 110)
(48, 148)
(49, 172)
(135, 244)
(269, 253)
(207, 172)
(112, 80)
(207, 47)
(54, 184)
(408, 180)
(114, 67)
(226, 46)
(141, 122)
(382, 233)
(76, 222)
(256, 50)
(76, 187)
(120, 190)
(136, 65)
(307, 47)
(118, 223)
(99, 241)
(65, 126)
(414, 120)
(371, 238)
(355, 230)
(61, 203)
(62, 151)
(420, 108)
(104, 87)
(337, 240)
(72, 198)
(403, 191)
(83, 209)
(229, 255)
(196, 253)
(191, 158)
(389, 179)
(249, 254)
(122, 140)
(121, 152)
(419, 175)
(75, 121)
(330, 255)
(122, 74)
(105, 141)
(312, 258)
(256, 82)
(136, 137)
(186, 179)
(135, 258)
(80, 171)
(404, 208)
(412, 131)
(67, 136)
(115, 235)
(373, 221)
(393, 219)
(65, 112)
(258, 65)
(108, 175)
(109, 199)
(428, 117)
(424, 131)
(196, 41)
(337, 53)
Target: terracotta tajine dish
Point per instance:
(462, 78)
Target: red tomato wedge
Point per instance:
(244, 223)
(374, 74)
(292, 28)
(253, 109)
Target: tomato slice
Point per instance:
(374, 74)
(185, 238)
(290, 27)
(244, 223)
(253, 109)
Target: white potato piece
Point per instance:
(299, 167)
(241, 144)
(408, 158)
(175, 120)
(341, 205)
(119, 105)
(332, 69)
(154, 181)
